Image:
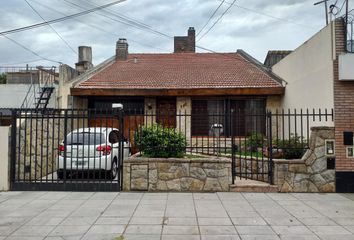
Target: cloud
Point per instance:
(240, 28)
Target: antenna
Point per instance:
(326, 8)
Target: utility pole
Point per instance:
(326, 8)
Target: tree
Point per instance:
(2, 78)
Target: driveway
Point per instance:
(118, 216)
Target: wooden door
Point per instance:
(166, 112)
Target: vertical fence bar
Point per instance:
(13, 147)
(270, 163)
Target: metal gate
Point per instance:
(61, 150)
(272, 135)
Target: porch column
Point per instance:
(183, 118)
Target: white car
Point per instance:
(91, 150)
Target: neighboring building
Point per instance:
(320, 75)
(274, 56)
(180, 82)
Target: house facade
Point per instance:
(167, 86)
(319, 75)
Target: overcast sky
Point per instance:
(255, 26)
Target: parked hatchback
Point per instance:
(91, 150)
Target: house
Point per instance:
(27, 87)
(319, 75)
(182, 82)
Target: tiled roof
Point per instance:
(181, 71)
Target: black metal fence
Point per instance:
(81, 150)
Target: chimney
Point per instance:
(122, 49)
(85, 59)
(185, 44)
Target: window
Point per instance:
(239, 117)
(85, 138)
(131, 106)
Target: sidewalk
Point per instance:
(118, 216)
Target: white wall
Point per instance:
(4, 159)
(309, 73)
(346, 67)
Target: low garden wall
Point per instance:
(205, 174)
(310, 173)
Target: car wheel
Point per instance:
(114, 170)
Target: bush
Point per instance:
(292, 148)
(157, 141)
(254, 141)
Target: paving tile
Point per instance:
(106, 229)
(33, 231)
(100, 237)
(248, 221)
(254, 230)
(69, 231)
(259, 237)
(180, 221)
(299, 237)
(104, 196)
(25, 238)
(292, 230)
(350, 228)
(220, 237)
(337, 237)
(317, 221)
(144, 229)
(141, 237)
(78, 221)
(329, 230)
(112, 220)
(7, 229)
(284, 221)
(214, 221)
(43, 221)
(180, 230)
(217, 230)
(344, 220)
(146, 220)
(180, 237)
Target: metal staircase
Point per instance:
(39, 94)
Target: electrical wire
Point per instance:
(97, 27)
(270, 16)
(65, 42)
(212, 15)
(29, 50)
(59, 19)
(217, 20)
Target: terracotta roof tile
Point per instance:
(181, 71)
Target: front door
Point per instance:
(166, 112)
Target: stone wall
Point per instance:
(310, 173)
(209, 174)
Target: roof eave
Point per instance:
(177, 92)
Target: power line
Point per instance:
(212, 15)
(135, 23)
(66, 43)
(59, 19)
(221, 16)
(97, 27)
(29, 50)
(270, 16)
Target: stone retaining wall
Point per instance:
(310, 173)
(208, 174)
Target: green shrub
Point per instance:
(157, 141)
(254, 141)
(292, 148)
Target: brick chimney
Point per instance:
(122, 49)
(185, 44)
(84, 59)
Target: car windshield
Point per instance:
(85, 138)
